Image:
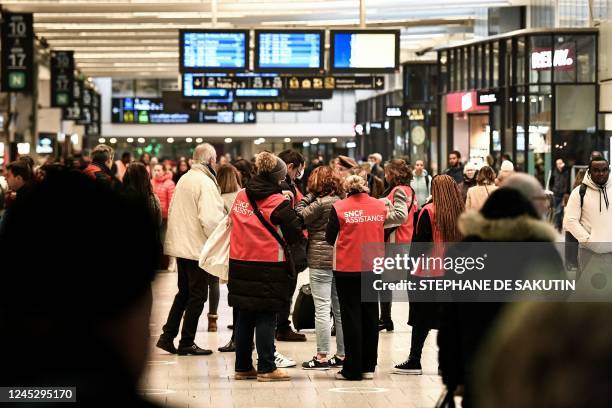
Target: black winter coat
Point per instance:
(265, 286)
(465, 327)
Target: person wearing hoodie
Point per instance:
(259, 276)
(420, 183)
(588, 216)
(470, 171)
(507, 216)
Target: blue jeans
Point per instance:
(263, 325)
(325, 298)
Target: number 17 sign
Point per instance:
(17, 37)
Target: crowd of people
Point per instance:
(282, 216)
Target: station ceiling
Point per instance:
(133, 38)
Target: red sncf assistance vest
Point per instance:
(249, 239)
(438, 247)
(403, 233)
(361, 237)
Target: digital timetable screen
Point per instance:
(364, 51)
(289, 50)
(213, 50)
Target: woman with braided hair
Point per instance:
(437, 224)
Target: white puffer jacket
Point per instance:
(591, 225)
(195, 211)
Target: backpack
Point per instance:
(582, 192)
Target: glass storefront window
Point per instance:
(575, 58)
(495, 62)
(486, 66)
(465, 69)
(540, 132)
(472, 83)
(452, 71)
(508, 63)
(520, 60)
(577, 112)
(443, 72)
(540, 59)
(520, 104)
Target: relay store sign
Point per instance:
(460, 102)
(561, 59)
(488, 98)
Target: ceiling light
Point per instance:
(189, 140)
(199, 140)
(287, 140)
(170, 140)
(314, 141)
(141, 140)
(113, 140)
(130, 140)
(334, 140)
(101, 140)
(228, 140)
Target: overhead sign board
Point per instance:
(62, 78)
(17, 60)
(289, 82)
(73, 112)
(461, 102)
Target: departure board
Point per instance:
(364, 51)
(213, 50)
(289, 50)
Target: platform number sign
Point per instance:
(73, 112)
(17, 39)
(62, 78)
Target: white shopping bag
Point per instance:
(214, 258)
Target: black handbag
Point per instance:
(295, 254)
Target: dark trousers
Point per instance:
(360, 327)
(190, 299)
(417, 341)
(385, 312)
(283, 322)
(558, 212)
(261, 324)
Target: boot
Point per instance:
(212, 322)
(289, 335)
(230, 347)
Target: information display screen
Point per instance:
(289, 50)
(364, 51)
(151, 111)
(220, 51)
(190, 91)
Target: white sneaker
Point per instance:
(282, 361)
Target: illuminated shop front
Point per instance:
(531, 94)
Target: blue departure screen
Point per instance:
(208, 50)
(375, 51)
(299, 50)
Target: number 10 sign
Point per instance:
(17, 37)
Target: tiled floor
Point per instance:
(208, 381)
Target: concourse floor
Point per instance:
(207, 381)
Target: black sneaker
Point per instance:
(409, 367)
(315, 364)
(166, 345)
(193, 350)
(335, 362)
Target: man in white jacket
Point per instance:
(588, 217)
(195, 211)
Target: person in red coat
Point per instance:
(163, 187)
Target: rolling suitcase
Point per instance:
(303, 310)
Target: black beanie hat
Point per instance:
(507, 202)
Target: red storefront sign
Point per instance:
(461, 102)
